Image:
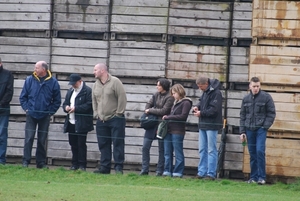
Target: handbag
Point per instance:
(149, 121)
(162, 129)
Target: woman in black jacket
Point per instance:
(163, 105)
(79, 121)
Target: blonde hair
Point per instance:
(178, 88)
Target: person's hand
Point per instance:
(147, 111)
(72, 109)
(68, 108)
(165, 116)
(195, 109)
(243, 137)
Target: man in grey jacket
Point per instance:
(256, 117)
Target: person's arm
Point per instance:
(66, 101)
(94, 102)
(270, 112)
(242, 118)
(122, 99)
(213, 106)
(186, 107)
(165, 110)
(24, 95)
(87, 105)
(9, 91)
(56, 99)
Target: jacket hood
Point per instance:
(184, 99)
(213, 84)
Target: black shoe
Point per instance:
(208, 178)
(199, 177)
(42, 166)
(119, 171)
(158, 174)
(82, 168)
(144, 173)
(102, 171)
(73, 167)
(25, 165)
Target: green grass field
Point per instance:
(28, 184)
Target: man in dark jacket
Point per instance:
(6, 94)
(256, 117)
(40, 98)
(209, 111)
(79, 121)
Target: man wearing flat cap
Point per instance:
(6, 94)
(79, 119)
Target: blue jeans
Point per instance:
(111, 132)
(174, 142)
(42, 134)
(208, 153)
(256, 141)
(3, 137)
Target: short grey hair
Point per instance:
(202, 80)
(45, 65)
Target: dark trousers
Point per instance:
(77, 142)
(146, 155)
(42, 134)
(111, 132)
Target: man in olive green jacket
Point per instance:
(109, 103)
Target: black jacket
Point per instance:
(163, 105)
(210, 107)
(6, 90)
(257, 111)
(83, 110)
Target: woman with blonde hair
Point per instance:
(176, 131)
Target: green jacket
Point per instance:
(109, 99)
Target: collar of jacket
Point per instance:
(47, 78)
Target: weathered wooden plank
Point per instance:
(135, 73)
(78, 67)
(143, 20)
(25, 2)
(6, 16)
(62, 8)
(200, 14)
(134, 28)
(216, 59)
(89, 3)
(241, 34)
(201, 49)
(198, 5)
(145, 3)
(140, 11)
(138, 52)
(173, 74)
(274, 42)
(83, 18)
(134, 44)
(80, 26)
(203, 67)
(29, 8)
(198, 32)
(136, 66)
(25, 41)
(276, 5)
(76, 43)
(24, 25)
(138, 59)
(199, 23)
(24, 49)
(78, 52)
(242, 6)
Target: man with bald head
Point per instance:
(109, 103)
(40, 98)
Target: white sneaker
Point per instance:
(251, 181)
(261, 182)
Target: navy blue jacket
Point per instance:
(83, 110)
(38, 98)
(210, 107)
(6, 90)
(257, 111)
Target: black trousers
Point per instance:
(77, 142)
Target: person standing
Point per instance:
(209, 111)
(256, 117)
(109, 104)
(40, 98)
(79, 119)
(176, 131)
(163, 105)
(6, 94)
